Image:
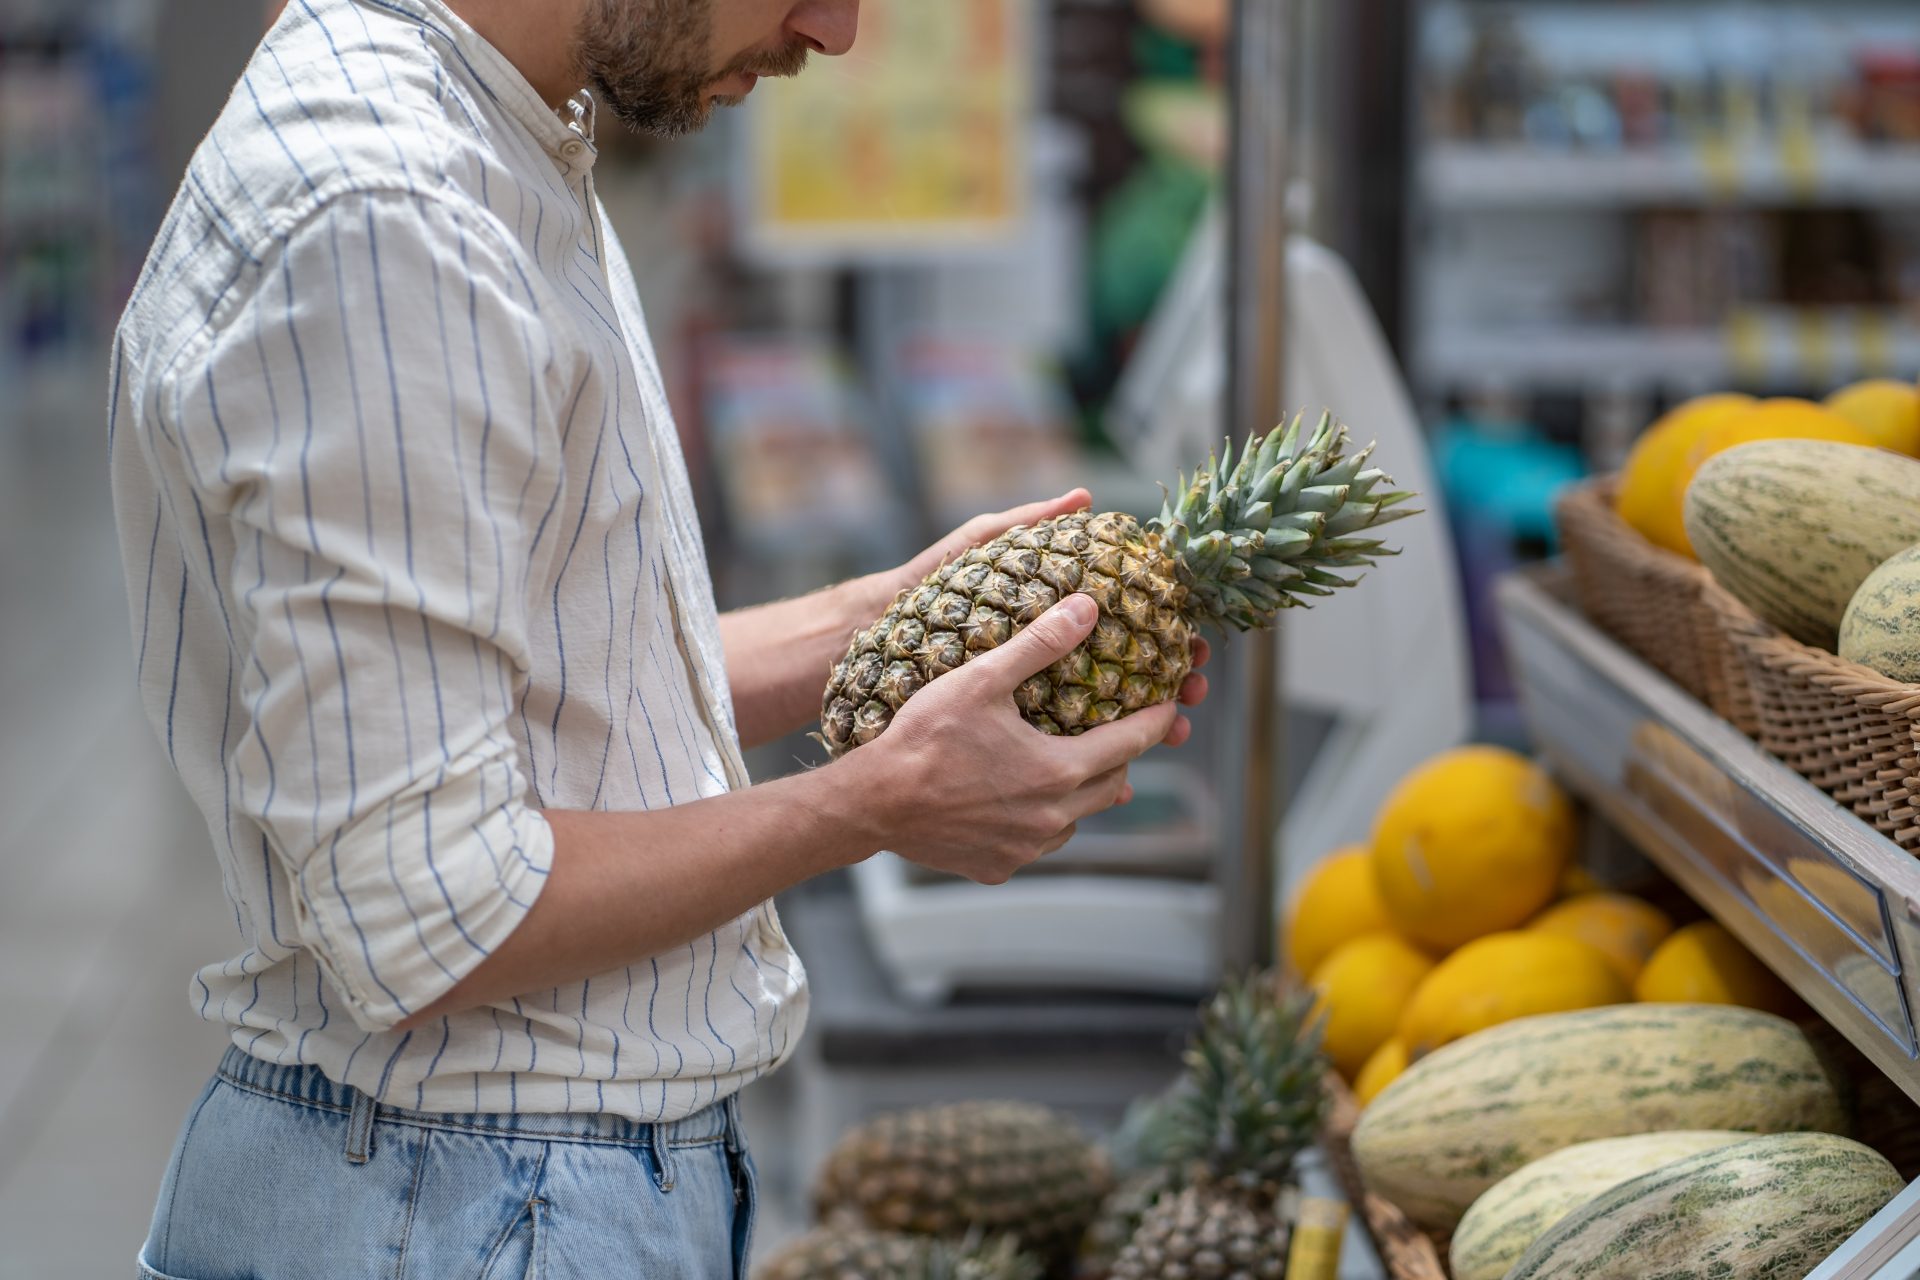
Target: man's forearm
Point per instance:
(779, 655)
(626, 886)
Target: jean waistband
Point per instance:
(309, 1086)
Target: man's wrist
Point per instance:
(863, 600)
(854, 797)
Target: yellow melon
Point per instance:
(1337, 904)
(1382, 1069)
(1576, 880)
(1622, 928)
(1651, 495)
(1886, 409)
(1781, 419)
(1361, 990)
(1471, 843)
(1502, 977)
(1704, 964)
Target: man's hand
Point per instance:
(961, 783)
(976, 531)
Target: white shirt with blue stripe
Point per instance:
(412, 555)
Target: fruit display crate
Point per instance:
(1829, 903)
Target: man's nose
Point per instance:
(827, 26)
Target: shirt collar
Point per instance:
(566, 135)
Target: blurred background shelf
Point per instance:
(1841, 171)
(1781, 351)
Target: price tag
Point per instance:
(1747, 348)
(1799, 153)
(1720, 165)
(1813, 343)
(1873, 336)
(1800, 163)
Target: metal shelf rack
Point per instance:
(1828, 903)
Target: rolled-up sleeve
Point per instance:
(372, 434)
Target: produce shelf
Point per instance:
(1835, 171)
(1777, 349)
(1830, 904)
(1824, 899)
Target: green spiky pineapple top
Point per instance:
(1233, 546)
(1252, 1098)
(1257, 536)
(1228, 1133)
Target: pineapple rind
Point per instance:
(994, 1167)
(1250, 1101)
(1232, 547)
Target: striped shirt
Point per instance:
(412, 555)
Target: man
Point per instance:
(423, 619)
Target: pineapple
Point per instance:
(1252, 1102)
(999, 1167)
(1235, 546)
(858, 1253)
(1139, 1153)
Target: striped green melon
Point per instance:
(1524, 1206)
(1467, 1115)
(1882, 625)
(1793, 527)
(1768, 1208)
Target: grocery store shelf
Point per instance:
(1777, 349)
(1482, 176)
(1827, 902)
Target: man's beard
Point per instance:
(647, 62)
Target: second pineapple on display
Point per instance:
(1224, 1140)
(1010, 1191)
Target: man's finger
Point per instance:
(1097, 794)
(1177, 736)
(1201, 652)
(1046, 640)
(1054, 844)
(1128, 738)
(982, 529)
(1034, 512)
(1193, 690)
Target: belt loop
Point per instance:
(360, 1129)
(736, 1139)
(661, 1150)
(736, 1149)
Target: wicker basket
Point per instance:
(1883, 1117)
(1650, 600)
(1405, 1251)
(1849, 730)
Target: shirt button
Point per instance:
(573, 149)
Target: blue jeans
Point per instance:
(281, 1174)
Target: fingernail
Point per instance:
(1080, 608)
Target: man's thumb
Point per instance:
(1044, 641)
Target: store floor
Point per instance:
(109, 897)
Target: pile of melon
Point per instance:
(1465, 910)
(1625, 1142)
(1808, 514)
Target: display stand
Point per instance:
(1828, 903)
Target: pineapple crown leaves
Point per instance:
(1254, 1098)
(974, 1258)
(1148, 1130)
(1267, 532)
